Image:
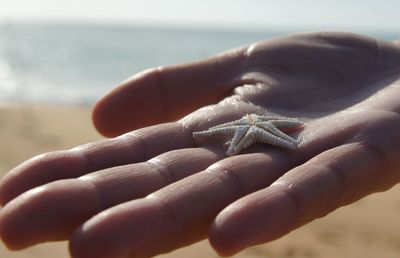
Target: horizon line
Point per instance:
(243, 27)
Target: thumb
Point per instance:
(166, 93)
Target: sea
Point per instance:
(75, 64)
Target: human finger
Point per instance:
(339, 176)
(176, 215)
(52, 211)
(137, 146)
(167, 93)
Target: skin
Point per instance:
(156, 189)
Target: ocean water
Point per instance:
(76, 63)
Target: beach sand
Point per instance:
(369, 228)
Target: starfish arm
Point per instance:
(242, 121)
(269, 127)
(236, 139)
(266, 118)
(247, 140)
(287, 124)
(225, 131)
(263, 136)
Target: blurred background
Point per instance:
(73, 51)
(58, 57)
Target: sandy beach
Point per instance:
(369, 228)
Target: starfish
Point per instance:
(253, 128)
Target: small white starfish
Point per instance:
(252, 129)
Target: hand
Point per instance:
(156, 189)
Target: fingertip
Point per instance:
(133, 104)
(40, 170)
(11, 183)
(221, 245)
(9, 240)
(105, 117)
(47, 213)
(255, 219)
(224, 236)
(9, 228)
(4, 193)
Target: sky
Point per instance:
(313, 14)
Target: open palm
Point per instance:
(156, 189)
